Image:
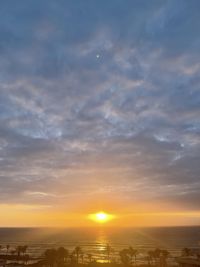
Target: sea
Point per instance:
(94, 240)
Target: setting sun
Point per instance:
(101, 217)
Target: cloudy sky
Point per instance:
(99, 110)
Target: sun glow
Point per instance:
(101, 217)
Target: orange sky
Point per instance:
(99, 110)
(33, 216)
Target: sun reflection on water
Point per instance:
(101, 242)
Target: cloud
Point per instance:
(72, 122)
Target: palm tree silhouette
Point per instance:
(82, 257)
(19, 250)
(7, 247)
(89, 257)
(163, 258)
(77, 252)
(108, 251)
(186, 252)
(72, 258)
(26, 258)
(156, 254)
(151, 257)
(62, 255)
(133, 253)
(50, 257)
(24, 249)
(124, 256)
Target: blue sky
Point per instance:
(100, 98)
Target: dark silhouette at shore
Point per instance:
(62, 257)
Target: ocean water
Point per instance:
(94, 240)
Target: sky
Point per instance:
(99, 110)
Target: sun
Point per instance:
(101, 217)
